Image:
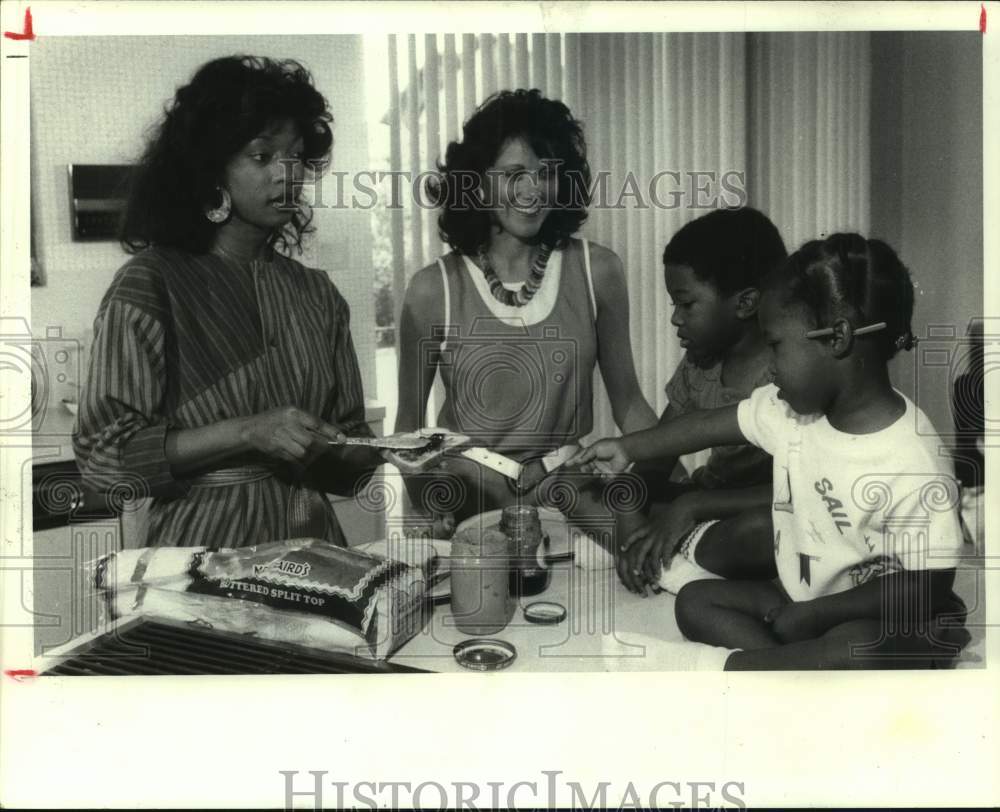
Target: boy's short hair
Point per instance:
(731, 249)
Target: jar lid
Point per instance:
(546, 612)
(484, 654)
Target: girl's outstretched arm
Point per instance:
(686, 434)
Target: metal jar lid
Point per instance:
(545, 612)
(484, 654)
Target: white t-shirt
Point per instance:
(851, 507)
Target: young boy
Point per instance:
(713, 267)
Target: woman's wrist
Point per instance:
(191, 450)
(237, 431)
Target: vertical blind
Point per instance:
(652, 103)
(810, 115)
(787, 111)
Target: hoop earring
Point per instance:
(221, 213)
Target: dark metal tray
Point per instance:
(163, 647)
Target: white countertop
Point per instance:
(607, 628)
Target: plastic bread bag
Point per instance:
(252, 620)
(377, 601)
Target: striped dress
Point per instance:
(183, 341)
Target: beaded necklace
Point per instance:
(516, 298)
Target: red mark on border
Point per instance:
(21, 674)
(982, 19)
(29, 32)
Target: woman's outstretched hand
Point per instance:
(603, 457)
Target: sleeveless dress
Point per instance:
(519, 380)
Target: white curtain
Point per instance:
(810, 119)
(789, 111)
(652, 103)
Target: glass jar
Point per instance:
(523, 528)
(481, 600)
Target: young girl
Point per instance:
(866, 534)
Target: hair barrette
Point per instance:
(823, 332)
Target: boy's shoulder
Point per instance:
(703, 383)
(685, 374)
(694, 387)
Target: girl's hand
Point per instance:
(606, 456)
(288, 433)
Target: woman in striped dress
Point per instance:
(519, 315)
(221, 368)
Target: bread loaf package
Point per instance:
(302, 591)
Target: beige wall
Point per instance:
(92, 100)
(927, 188)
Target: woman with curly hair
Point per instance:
(516, 317)
(221, 368)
